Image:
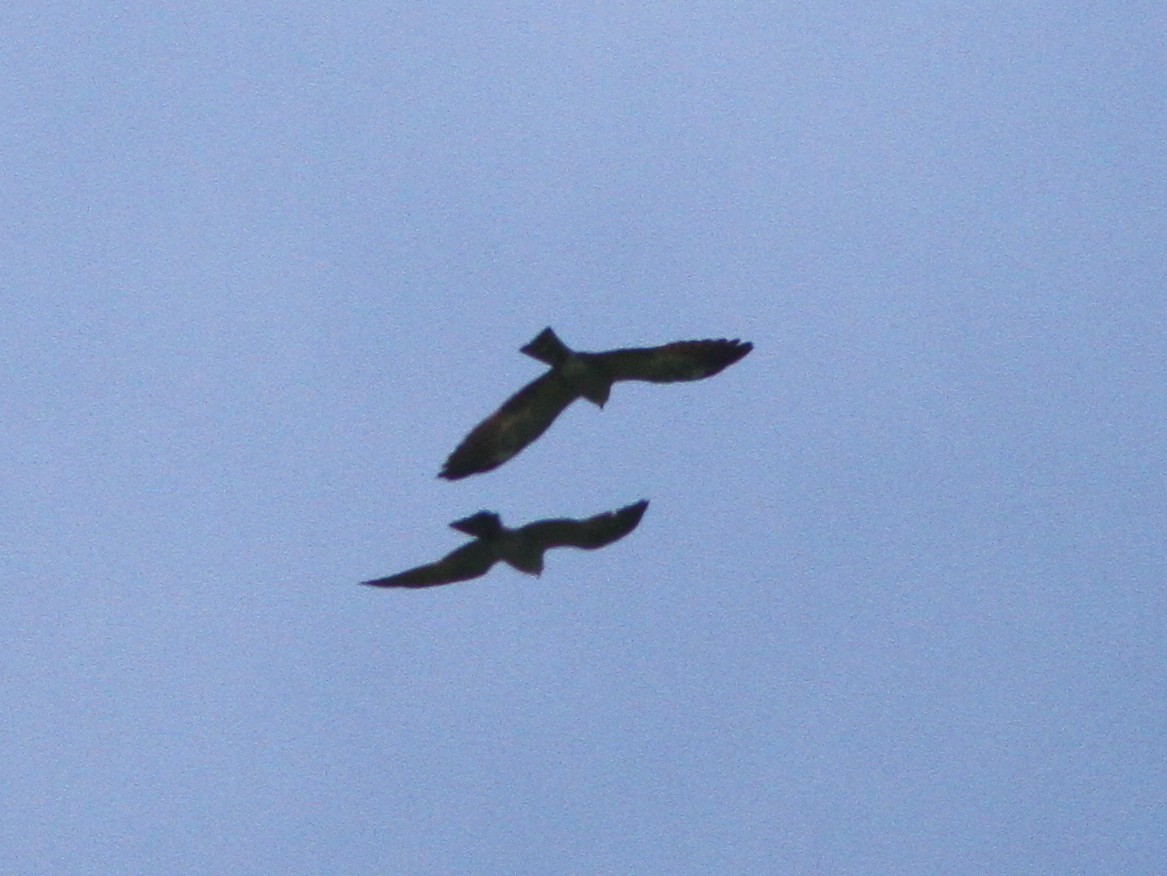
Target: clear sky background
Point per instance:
(898, 604)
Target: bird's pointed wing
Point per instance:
(522, 418)
(683, 360)
(468, 561)
(594, 532)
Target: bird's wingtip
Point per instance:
(636, 509)
(451, 473)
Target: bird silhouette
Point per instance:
(521, 548)
(529, 412)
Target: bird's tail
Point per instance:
(547, 348)
(484, 524)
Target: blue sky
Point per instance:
(898, 603)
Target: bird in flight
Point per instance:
(529, 412)
(521, 548)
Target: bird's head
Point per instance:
(597, 393)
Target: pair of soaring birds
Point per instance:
(524, 417)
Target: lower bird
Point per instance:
(521, 548)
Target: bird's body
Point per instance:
(521, 548)
(528, 413)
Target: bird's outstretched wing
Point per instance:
(521, 419)
(683, 360)
(594, 532)
(469, 561)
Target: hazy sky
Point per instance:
(898, 604)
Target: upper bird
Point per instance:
(527, 414)
(522, 548)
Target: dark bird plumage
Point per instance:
(521, 548)
(529, 412)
